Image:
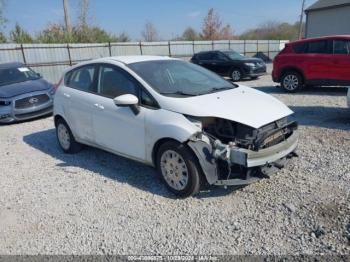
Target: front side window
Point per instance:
(82, 78)
(341, 47)
(113, 82)
(17, 75)
(179, 78)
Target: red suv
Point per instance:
(315, 61)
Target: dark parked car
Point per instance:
(24, 94)
(231, 64)
(321, 61)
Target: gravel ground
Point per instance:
(97, 203)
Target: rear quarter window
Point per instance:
(300, 48)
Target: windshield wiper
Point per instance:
(219, 89)
(178, 93)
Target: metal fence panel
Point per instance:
(45, 53)
(200, 46)
(155, 48)
(182, 48)
(84, 52)
(11, 53)
(51, 59)
(130, 48)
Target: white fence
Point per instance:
(51, 59)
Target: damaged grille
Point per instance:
(250, 138)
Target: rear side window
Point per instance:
(300, 48)
(341, 47)
(318, 47)
(205, 56)
(82, 78)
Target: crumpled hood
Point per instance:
(243, 105)
(8, 91)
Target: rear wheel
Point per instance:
(66, 139)
(236, 75)
(179, 169)
(291, 81)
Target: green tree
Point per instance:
(19, 35)
(2, 38)
(54, 33)
(190, 34)
(273, 30)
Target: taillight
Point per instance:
(55, 86)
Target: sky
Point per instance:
(170, 17)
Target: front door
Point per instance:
(116, 128)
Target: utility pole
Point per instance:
(301, 20)
(66, 16)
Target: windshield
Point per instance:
(174, 77)
(234, 55)
(16, 75)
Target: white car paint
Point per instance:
(97, 121)
(239, 105)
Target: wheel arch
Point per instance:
(292, 69)
(59, 117)
(161, 141)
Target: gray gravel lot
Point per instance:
(97, 203)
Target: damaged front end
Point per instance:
(231, 153)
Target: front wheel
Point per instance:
(291, 81)
(179, 169)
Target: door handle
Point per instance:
(66, 95)
(99, 106)
(214, 63)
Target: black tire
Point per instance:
(194, 174)
(74, 146)
(236, 74)
(291, 81)
(254, 77)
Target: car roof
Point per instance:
(11, 65)
(133, 59)
(330, 37)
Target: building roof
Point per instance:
(326, 4)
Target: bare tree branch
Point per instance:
(150, 34)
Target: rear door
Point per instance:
(317, 61)
(207, 60)
(221, 64)
(341, 61)
(78, 96)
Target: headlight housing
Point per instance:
(250, 64)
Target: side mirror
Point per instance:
(128, 100)
(39, 75)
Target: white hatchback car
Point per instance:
(192, 125)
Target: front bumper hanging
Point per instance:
(266, 161)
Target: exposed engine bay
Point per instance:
(247, 137)
(244, 153)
